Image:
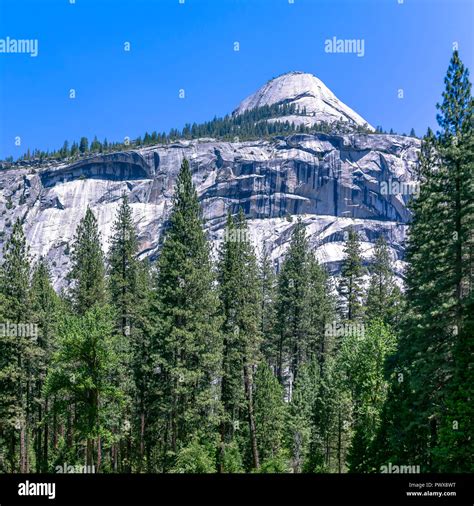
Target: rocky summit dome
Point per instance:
(308, 93)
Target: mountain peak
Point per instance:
(306, 92)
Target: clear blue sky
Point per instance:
(190, 46)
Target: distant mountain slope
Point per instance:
(306, 92)
(331, 181)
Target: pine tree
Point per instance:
(268, 300)
(455, 148)
(383, 295)
(331, 420)
(87, 272)
(18, 351)
(84, 145)
(435, 352)
(364, 358)
(46, 311)
(186, 344)
(295, 332)
(270, 417)
(84, 374)
(350, 284)
(95, 144)
(142, 362)
(123, 266)
(321, 303)
(241, 304)
(123, 271)
(129, 288)
(299, 424)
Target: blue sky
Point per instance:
(190, 46)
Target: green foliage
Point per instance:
(383, 295)
(268, 285)
(87, 272)
(304, 306)
(15, 274)
(123, 266)
(299, 424)
(296, 335)
(186, 344)
(195, 458)
(46, 310)
(18, 352)
(350, 284)
(270, 415)
(241, 306)
(331, 430)
(84, 372)
(364, 358)
(83, 145)
(427, 417)
(231, 460)
(173, 367)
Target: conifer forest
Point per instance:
(219, 360)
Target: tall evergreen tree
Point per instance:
(45, 311)
(455, 147)
(350, 285)
(123, 266)
(300, 417)
(321, 303)
(383, 295)
(84, 375)
(18, 351)
(295, 332)
(123, 271)
(83, 145)
(268, 301)
(186, 344)
(142, 362)
(435, 350)
(270, 417)
(241, 304)
(87, 272)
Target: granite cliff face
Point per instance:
(331, 181)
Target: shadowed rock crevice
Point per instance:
(112, 167)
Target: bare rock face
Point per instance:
(330, 181)
(306, 92)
